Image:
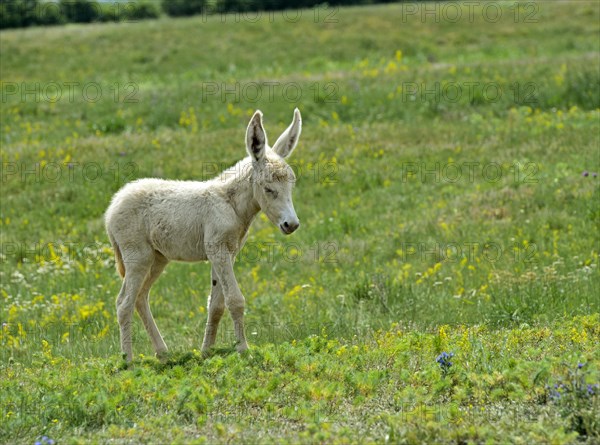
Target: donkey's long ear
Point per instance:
(256, 138)
(289, 138)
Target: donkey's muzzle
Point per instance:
(289, 227)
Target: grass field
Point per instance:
(449, 199)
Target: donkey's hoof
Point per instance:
(162, 356)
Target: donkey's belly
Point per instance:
(189, 254)
(179, 249)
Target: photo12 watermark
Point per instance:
(469, 172)
(69, 92)
(471, 251)
(243, 12)
(69, 172)
(521, 93)
(470, 11)
(269, 91)
(323, 172)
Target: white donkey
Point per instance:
(152, 221)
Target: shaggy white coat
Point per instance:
(153, 221)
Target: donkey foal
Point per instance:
(153, 221)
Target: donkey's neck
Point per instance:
(237, 187)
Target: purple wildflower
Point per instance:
(444, 361)
(555, 395)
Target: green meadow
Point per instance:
(449, 200)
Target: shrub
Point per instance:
(140, 11)
(49, 14)
(111, 12)
(81, 11)
(23, 13)
(180, 8)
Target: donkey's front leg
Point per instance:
(216, 307)
(234, 300)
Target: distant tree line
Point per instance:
(23, 13)
(192, 7)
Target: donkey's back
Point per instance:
(169, 216)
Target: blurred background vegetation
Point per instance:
(24, 13)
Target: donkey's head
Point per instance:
(272, 178)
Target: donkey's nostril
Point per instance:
(289, 227)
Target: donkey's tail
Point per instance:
(119, 260)
(118, 257)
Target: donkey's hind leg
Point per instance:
(142, 304)
(137, 266)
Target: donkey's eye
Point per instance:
(271, 192)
